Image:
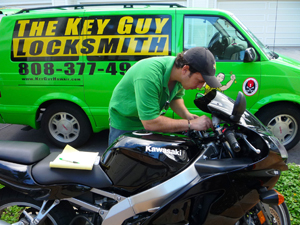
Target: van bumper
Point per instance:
(19, 115)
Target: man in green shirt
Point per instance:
(153, 83)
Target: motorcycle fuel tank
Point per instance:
(140, 160)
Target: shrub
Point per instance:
(288, 185)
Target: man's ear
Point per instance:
(185, 69)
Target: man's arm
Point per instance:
(166, 124)
(178, 106)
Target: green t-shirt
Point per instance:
(142, 93)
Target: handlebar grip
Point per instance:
(230, 137)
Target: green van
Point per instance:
(59, 65)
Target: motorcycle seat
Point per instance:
(44, 175)
(23, 152)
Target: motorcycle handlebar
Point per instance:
(230, 137)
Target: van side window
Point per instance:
(216, 34)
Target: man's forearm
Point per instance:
(178, 106)
(166, 124)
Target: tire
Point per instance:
(65, 123)
(279, 216)
(283, 120)
(13, 203)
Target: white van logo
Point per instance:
(163, 150)
(250, 86)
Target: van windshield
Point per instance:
(265, 48)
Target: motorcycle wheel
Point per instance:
(279, 213)
(13, 203)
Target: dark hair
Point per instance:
(180, 62)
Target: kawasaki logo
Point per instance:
(163, 150)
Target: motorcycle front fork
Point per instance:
(260, 214)
(265, 214)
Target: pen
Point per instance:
(68, 160)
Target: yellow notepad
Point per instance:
(71, 158)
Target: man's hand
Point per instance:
(201, 123)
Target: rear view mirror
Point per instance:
(250, 55)
(238, 108)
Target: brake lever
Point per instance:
(256, 150)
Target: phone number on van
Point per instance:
(72, 68)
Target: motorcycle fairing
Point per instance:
(208, 167)
(222, 198)
(20, 177)
(151, 198)
(137, 162)
(212, 201)
(15, 174)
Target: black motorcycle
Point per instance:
(223, 176)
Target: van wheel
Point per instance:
(283, 120)
(65, 123)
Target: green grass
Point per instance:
(289, 186)
(12, 214)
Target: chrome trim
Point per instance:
(153, 210)
(118, 213)
(85, 205)
(43, 212)
(149, 199)
(141, 133)
(155, 196)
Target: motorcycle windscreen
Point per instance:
(216, 103)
